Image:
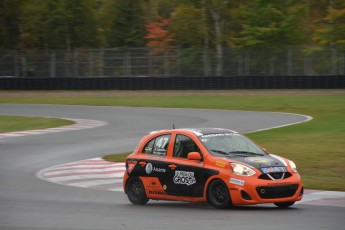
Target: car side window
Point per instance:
(158, 145)
(184, 145)
(149, 147)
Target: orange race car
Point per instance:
(220, 166)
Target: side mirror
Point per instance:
(194, 156)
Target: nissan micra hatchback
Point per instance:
(220, 166)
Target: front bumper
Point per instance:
(253, 190)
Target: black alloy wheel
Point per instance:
(136, 191)
(218, 194)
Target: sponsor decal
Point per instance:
(159, 157)
(273, 169)
(160, 170)
(156, 193)
(149, 169)
(259, 160)
(182, 177)
(220, 135)
(220, 164)
(236, 181)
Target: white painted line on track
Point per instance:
(307, 118)
(79, 124)
(94, 183)
(88, 166)
(63, 179)
(66, 171)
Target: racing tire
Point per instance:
(218, 195)
(284, 204)
(136, 191)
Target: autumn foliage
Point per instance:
(158, 36)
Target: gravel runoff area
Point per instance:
(123, 93)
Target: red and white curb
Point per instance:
(323, 198)
(99, 174)
(79, 124)
(92, 174)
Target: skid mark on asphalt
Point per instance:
(79, 124)
(103, 175)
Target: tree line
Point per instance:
(214, 24)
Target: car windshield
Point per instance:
(230, 145)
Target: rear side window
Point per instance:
(158, 145)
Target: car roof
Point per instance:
(200, 131)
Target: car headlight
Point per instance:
(293, 166)
(241, 170)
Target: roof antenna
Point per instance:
(173, 126)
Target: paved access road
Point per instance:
(27, 202)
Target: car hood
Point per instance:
(262, 161)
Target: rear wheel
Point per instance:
(136, 191)
(284, 204)
(218, 194)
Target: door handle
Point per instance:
(172, 167)
(142, 163)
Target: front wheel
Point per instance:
(284, 204)
(136, 191)
(218, 194)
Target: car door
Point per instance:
(185, 177)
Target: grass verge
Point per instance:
(19, 123)
(317, 147)
(120, 157)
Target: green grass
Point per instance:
(119, 157)
(18, 123)
(317, 147)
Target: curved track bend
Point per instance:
(27, 202)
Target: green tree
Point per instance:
(272, 25)
(210, 24)
(63, 24)
(332, 31)
(219, 14)
(10, 12)
(189, 34)
(128, 25)
(316, 11)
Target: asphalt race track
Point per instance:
(27, 202)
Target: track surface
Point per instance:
(27, 202)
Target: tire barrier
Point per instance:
(173, 83)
